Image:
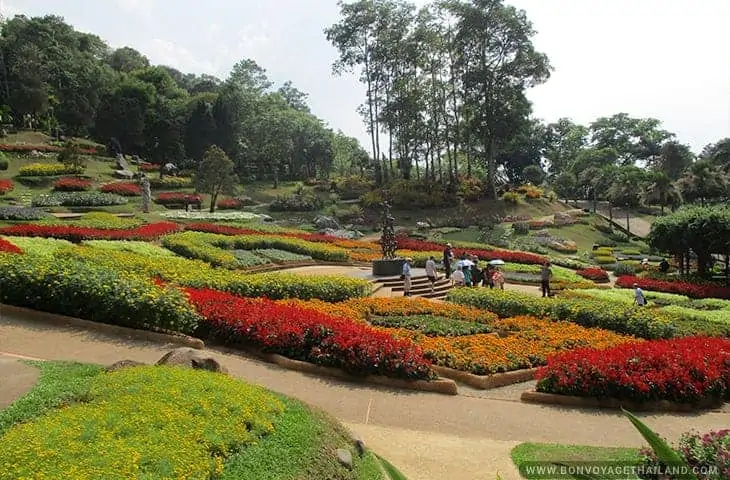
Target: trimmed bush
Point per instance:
(630, 320)
(125, 189)
(21, 213)
(65, 286)
(72, 184)
(48, 170)
(78, 199)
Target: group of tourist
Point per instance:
(467, 273)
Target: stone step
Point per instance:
(439, 287)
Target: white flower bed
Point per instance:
(202, 215)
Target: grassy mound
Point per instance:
(164, 422)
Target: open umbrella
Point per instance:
(496, 262)
(464, 263)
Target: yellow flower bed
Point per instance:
(195, 273)
(47, 170)
(530, 341)
(147, 422)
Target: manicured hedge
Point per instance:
(47, 170)
(125, 189)
(83, 290)
(642, 323)
(684, 370)
(72, 184)
(76, 234)
(21, 213)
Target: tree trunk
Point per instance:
(490, 150)
(595, 201)
(213, 200)
(276, 177)
(628, 225)
(610, 211)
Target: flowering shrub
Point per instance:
(681, 288)
(76, 234)
(62, 285)
(39, 245)
(230, 204)
(177, 198)
(125, 189)
(106, 221)
(6, 185)
(78, 199)
(48, 170)
(197, 274)
(141, 248)
(185, 420)
(684, 370)
(707, 454)
(171, 182)
(71, 184)
(530, 192)
(308, 335)
(22, 148)
(206, 215)
(8, 247)
(281, 256)
(406, 243)
(401, 306)
(596, 274)
(642, 323)
(149, 167)
(21, 213)
(528, 343)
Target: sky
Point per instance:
(667, 59)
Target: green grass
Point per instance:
(527, 455)
(60, 383)
(302, 445)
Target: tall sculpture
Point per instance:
(146, 193)
(388, 242)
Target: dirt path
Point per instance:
(16, 379)
(461, 423)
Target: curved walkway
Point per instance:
(464, 437)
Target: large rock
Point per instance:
(121, 163)
(124, 364)
(191, 358)
(344, 457)
(322, 222)
(124, 174)
(346, 234)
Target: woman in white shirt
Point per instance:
(458, 277)
(431, 271)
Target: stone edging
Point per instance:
(532, 396)
(115, 330)
(486, 382)
(441, 385)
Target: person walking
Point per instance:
(639, 298)
(448, 257)
(406, 274)
(488, 277)
(431, 271)
(545, 274)
(476, 273)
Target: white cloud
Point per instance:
(142, 8)
(7, 10)
(165, 52)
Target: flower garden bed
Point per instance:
(125, 189)
(72, 184)
(597, 275)
(689, 371)
(692, 290)
(47, 170)
(6, 186)
(76, 234)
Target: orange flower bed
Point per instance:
(403, 306)
(529, 343)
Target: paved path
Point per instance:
(639, 225)
(469, 425)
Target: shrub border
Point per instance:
(487, 382)
(532, 396)
(165, 336)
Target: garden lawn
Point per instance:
(528, 455)
(77, 409)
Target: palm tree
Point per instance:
(704, 181)
(663, 191)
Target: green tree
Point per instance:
(633, 139)
(674, 158)
(662, 191)
(127, 59)
(626, 188)
(565, 185)
(718, 153)
(703, 182)
(215, 175)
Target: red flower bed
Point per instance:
(6, 246)
(308, 335)
(150, 231)
(125, 189)
(230, 204)
(225, 230)
(5, 186)
(692, 290)
(149, 167)
(595, 274)
(72, 184)
(684, 370)
(407, 243)
(178, 198)
(19, 148)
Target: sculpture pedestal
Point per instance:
(388, 267)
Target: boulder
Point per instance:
(346, 234)
(359, 444)
(322, 222)
(121, 163)
(542, 233)
(266, 218)
(124, 174)
(191, 358)
(344, 457)
(124, 364)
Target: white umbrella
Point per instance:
(496, 262)
(464, 263)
